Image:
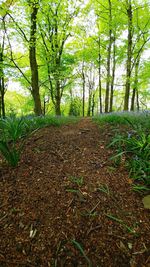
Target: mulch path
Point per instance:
(66, 205)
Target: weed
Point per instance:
(79, 247)
(76, 180)
(114, 218)
(140, 188)
(104, 188)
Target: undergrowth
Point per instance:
(12, 129)
(132, 146)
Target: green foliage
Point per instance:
(75, 107)
(11, 130)
(34, 122)
(79, 247)
(104, 188)
(138, 119)
(120, 221)
(76, 180)
(10, 152)
(134, 147)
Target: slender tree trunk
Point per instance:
(93, 103)
(89, 102)
(113, 76)
(108, 59)
(3, 100)
(137, 100)
(129, 57)
(83, 91)
(33, 61)
(2, 86)
(99, 76)
(135, 87)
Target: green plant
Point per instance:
(11, 130)
(76, 180)
(79, 247)
(114, 218)
(104, 188)
(135, 146)
(140, 188)
(10, 153)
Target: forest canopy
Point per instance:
(82, 57)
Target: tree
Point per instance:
(34, 5)
(32, 81)
(58, 17)
(2, 79)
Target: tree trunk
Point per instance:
(108, 59)
(2, 98)
(113, 75)
(93, 103)
(57, 107)
(83, 91)
(129, 57)
(135, 87)
(2, 86)
(57, 99)
(99, 76)
(89, 103)
(137, 100)
(33, 61)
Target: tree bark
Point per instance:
(89, 102)
(129, 57)
(108, 59)
(93, 103)
(83, 91)
(57, 99)
(135, 87)
(2, 86)
(137, 100)
(99, 76)
(33, 61)
(113, 76)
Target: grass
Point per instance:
(76, 180)
(121, 222)
(12, 129)
(80, 248)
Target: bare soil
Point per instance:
(66, 205)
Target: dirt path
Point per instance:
(65, 205)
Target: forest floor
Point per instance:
(66, 205)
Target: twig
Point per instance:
(93, 229)
(3, 217)
(121, 237)
(95, 206)
(69, 206)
